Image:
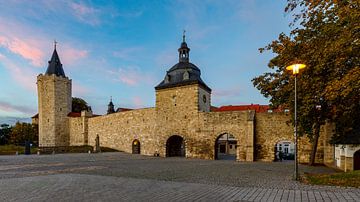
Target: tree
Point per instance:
(79, 105)
(22, 132)
(325, 37)
(5, 130)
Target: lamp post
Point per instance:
(295, 68)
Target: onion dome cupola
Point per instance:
(184, 72)
(110, 107)
(55, 66)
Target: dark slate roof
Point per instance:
(182, 73)
(55, 66)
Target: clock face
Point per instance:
(204, 98)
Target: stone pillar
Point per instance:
(97, 144)
(250, 136)
(85, 126)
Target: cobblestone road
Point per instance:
(124, 177)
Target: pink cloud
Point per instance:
(131, 76)
(79, 90)
(25, 49)
(85, 13)
(24, 76)
(8, 107)
(69, 55)
(226, 92)
(138, 102)
(127, 53)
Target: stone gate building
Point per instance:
(182, 123)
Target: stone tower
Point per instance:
(54, 97)
(110, 107)
(182, 93)
(183, 87)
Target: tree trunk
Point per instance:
(315, 144)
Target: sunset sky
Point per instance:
(123, 48)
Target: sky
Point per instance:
(124, 48)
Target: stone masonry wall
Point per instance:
(76, 131)
(54, 102)
(119, 130)
(271, 128)
(212, 125)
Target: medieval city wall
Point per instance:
(214, 124)
(270, 128)
(119, 130)
(76, 131)
(177, 114)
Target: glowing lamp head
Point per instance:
(295, 68)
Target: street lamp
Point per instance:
(295, 68)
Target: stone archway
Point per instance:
(175, 146)
(284, 150)
(225, 147)
(357, 160)
(136, 147)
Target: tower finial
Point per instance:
(55, 42)
(184, 35)
(110, 98)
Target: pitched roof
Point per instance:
(55, 66)
(183, 73)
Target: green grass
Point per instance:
(349, 179)
(11, 149)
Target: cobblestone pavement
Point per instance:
(125, 177)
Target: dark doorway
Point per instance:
(357, 160)
(136, 147)
(284, 150)
(225, 147)
(175, 146)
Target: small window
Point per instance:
(230, 146)
(204, 98)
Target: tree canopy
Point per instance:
(22, 132)
(5, 130)
(79, 105)
(325, 36)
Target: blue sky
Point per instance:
(123, 48)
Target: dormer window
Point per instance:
(186, 75)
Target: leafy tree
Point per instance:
(325, 37)
(5, 130)
(22, 132)
(79, 105)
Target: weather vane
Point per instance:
(184, 35)
(55, 42)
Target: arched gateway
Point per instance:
(175, 146)
(357, 160)
(225, 147)
(136, 147)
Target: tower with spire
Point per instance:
(54, 103)
(110, 107)
(182, 92)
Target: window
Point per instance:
(230, 146)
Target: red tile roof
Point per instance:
(74, 114)
(120, 109)
(258, 108)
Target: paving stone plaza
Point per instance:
(125, 177)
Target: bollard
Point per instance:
(16, 153)
(38, 152)
(89, 152)
(53, 152)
